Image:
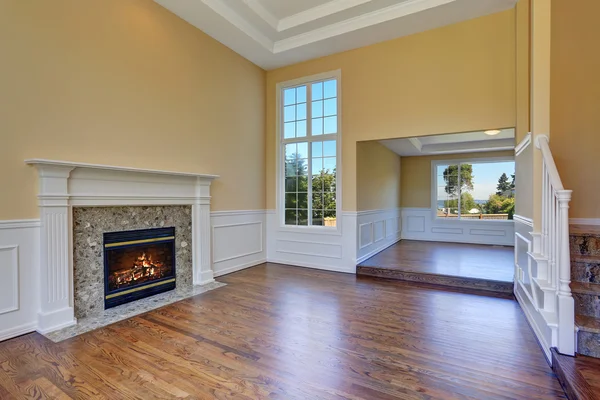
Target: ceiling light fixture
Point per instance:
(493, 132)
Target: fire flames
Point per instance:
(143, 269)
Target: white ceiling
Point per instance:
(275, 33)
(469, 142)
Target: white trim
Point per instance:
(14, 250)
(239, 267)
(320, 11)
(233, 257)
(417, 143)
(231, 213)
(310, 265)
(523, 144)
(523, 220)
(72, 164)
(239, 22)
(377, 251)
(280, 142)
(584, 221)
(20, 223)
(17, 331)
(262, 12)
(372, 212)
(538, 333)
(352, 24)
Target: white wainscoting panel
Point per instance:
(19, 260)
(238, 240)
(419, 224)
(527, 291)
(332, 251)
(383, 228)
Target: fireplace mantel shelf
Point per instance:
(65, 184)
(60, 163)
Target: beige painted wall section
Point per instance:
(377, 177)
(524, 182)
(575, 102)
(523, 70)
(125, 83)
(457, 78)
(415, 178)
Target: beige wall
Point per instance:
(125, 83)
(575, 101)
(457, 78)
(524, 182)
(523, 71)
(416, 175)
(377, 177)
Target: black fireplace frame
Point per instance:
(135, 238)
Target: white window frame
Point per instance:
(337, 230)
(434, 199)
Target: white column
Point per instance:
(201, 234)
(566, 304)
(56, 275)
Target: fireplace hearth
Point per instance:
(138, 264)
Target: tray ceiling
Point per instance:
(275, 33)
(468, 142)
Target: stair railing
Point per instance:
(555, 246)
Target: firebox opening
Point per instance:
(138, 264)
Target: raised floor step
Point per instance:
(579, 376)
(437, 279)
(588, 337)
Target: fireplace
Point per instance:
(138, 264)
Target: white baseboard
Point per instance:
(17, 331)
(239, 267)
(377, 251)
(526, 307)
(312, 265)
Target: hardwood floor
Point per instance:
(469, 266)
(454, 259)
(294, 333)
(579, 375)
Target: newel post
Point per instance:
(566, 304)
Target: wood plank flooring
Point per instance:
(294, 333)
(471, 266)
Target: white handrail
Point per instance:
(555, 247)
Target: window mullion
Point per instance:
(309, 138)
(459, 189)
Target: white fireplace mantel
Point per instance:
(65, 184)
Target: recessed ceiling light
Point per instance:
(493, 132)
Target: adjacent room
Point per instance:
(299, 199)
(457, 195)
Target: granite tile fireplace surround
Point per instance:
(80, 202)
(89, 226)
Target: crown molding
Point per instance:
(417, 143)
(239, 22)
(359, 22)
(321, 11)
(262, 12)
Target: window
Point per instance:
(309, 132)
(474, 190)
